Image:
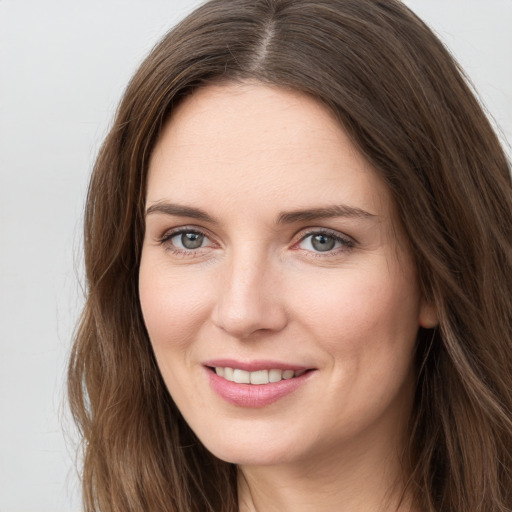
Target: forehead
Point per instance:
(256, 144)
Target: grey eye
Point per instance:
(191, 240)
(322, 242)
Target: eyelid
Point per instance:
(167, 234)
(347, 241)
(304, 233)
(165, 238)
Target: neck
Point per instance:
(363, 479)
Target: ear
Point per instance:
(428, 315)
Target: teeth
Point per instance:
(228, 374)
(241, 377)
(260, 377)
(288, 374)
(275, 375)
(257, 377)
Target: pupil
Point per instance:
(323, 242)
(192, 240)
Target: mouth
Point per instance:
(255, 384)
(258, 377)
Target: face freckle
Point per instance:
(272, 245)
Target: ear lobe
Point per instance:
(428, 315)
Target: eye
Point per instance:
(190, 240)
(186, 240)
(324, 242)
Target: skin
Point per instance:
(258, 289)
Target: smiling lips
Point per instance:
(258, 377)
(253, 385)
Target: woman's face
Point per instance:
(275, 283)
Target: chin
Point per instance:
(250, 452)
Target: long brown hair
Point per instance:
(407, 106)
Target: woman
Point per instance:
(299, 267)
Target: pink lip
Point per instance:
(254, 395)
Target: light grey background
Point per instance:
(63, 66)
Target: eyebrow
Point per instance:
(179, 210)
(291, 217)
(323, 213)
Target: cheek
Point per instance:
(367, 325)
(363, 314)
(174, 306)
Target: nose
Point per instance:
(250, 300)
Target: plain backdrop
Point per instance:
(63, 66)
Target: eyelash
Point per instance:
(165, 240)
(346, 243)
